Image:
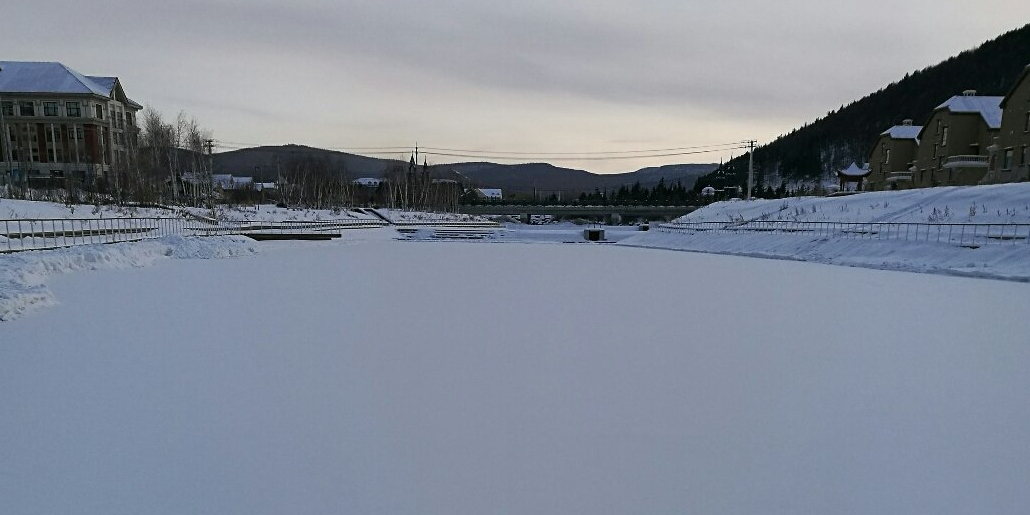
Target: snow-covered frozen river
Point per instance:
(413, 377)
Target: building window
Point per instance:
(934, 150)
(8, 108)
(49, 108)
(938, 127)
(944, 137)
(27, 109)
(1026, 123)
(73, 109)
(1006, 162)
(886, 155)
(99, 112)
(1026, 155)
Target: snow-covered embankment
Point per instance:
(997, 204)
(23, 275)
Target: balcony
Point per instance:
(966, 162)
(899, 176)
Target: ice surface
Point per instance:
(397, 377)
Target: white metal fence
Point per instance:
(962, 234)
(39, 234)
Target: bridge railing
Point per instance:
(961, 234)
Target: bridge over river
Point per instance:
(577, 211)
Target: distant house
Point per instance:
(953, 143)
(229, 182)
(1010, 153)
(368, 182)
(890, 161)
(489, 193)
(851, 177)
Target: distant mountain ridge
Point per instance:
(818, 149)
(262, 162)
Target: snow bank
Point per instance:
(272, 213)
(399, 216)
(23, 275)
(12, 209)
(1002, 261)
(999, 203)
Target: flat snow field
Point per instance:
(446, 378)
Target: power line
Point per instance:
(584, 158)
(523, 155)
(735, 144)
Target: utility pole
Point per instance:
(750, 167)
(210, 144)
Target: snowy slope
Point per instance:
(400, 216)
(998, 203)
(1003, 203)
(13, 209)
(272, 213)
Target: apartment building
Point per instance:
(1010, 153)
(890, 161)
(954, 141)
(57, 123)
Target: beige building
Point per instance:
(953, 143)
(891, 159)
(58, 123)
(1010, 153)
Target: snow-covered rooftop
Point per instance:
(40, 77)
(988, 107)
(903, 131)
(105, 82)
(490, 192)
(367, 181)
(855, 171)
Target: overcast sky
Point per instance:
(526, 76)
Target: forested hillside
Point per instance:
(816, 150)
